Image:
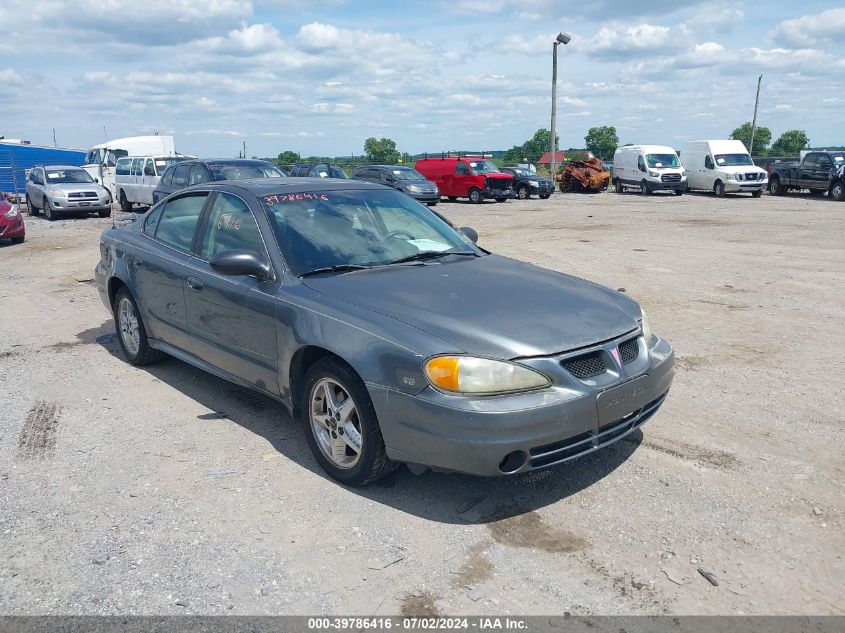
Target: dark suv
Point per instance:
(527, 183)
(192, 172)
(320, 170)
(405, 179)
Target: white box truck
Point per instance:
(722, 167)
(648, 168)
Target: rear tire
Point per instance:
(522, 192)
(618, 186)
(30, 208)
(125, 205)
(545, 196)
(325, 420)
(131, 333)
(837, 191)
(719, 189)
(452, 198)
(775, 188)
(475, 195)
(679, 192)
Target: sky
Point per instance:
(320, 76)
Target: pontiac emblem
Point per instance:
(615, 353)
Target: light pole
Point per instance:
(562, 38)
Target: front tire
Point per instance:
(644, 190)
(125, 205)
(48, 210)
(522, 193)
(756, 194)
(545, 196)
(475, 195)
(837, 191)
(18, 240)
(775, 188)
(341, 426)
(131, 333)
(104, 213)
(679, 192)
(719, 189)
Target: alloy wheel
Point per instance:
(128, 324)
(335, 423)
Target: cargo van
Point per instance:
(472, 177)
(101, 159)
(135, 177)
(722, 167)
(648, 168)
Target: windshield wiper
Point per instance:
(424, 255)
(339, 268)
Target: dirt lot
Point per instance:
(164, 490)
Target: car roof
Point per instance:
(265, 186)
(60, 166)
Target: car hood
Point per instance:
(70, 187)
(489, 306)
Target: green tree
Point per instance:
(532, 149)
(790, 143)
(381, 150)
(602, 141)
(288, 157)
(762, 137)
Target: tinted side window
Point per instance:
(136, 166)
(811, 161)
(461, 169)
(180, 176)
(708, 162)
(179, 219)
(149, 170)
(123, 166)
(640, 163)
(230, 226)
(198, 174)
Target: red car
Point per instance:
(11, 221)
(472, 177)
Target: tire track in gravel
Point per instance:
(38, 435)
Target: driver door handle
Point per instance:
(195, 283)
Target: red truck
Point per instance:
(472, 177)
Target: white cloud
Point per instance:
(7, 75)
(827, 27)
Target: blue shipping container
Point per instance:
(17, 157)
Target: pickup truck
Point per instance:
(816, 171)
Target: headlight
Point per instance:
(533, 183)
(11, 213)
(654, 174)
(414, 188)
(466, 374)
(56, 193)
(648, 335)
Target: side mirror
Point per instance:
(241, 262)
(470, 233)
(97, 180)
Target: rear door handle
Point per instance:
(195, 283)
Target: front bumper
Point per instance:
(733, 186)
(680, 185)
(543, 428)
(428, 196)
(80, 205)
(497, 193)
(12, 227)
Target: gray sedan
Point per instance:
(388, 332)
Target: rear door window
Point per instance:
(180, 176)
(178, 221)
(198, 175)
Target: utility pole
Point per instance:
(54, 138)
(754, 119)
(244, 148)
(562, 38)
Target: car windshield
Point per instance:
(62, 176)
(327, 171)
(406, 173)
(523, 173)
(483, 167)
(731, 160)
(357, 228)
(241, 171)
(164, 163)
(662, 160)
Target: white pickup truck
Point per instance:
(135, 177)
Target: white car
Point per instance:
(722, 167)
(648, 168)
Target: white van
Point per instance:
(649, 168)
(100, 160)
(722, 167)
(135, 177)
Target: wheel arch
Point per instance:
(302, 360)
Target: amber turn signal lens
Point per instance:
(443, 372)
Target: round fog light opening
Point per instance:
(513, 462)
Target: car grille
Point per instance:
(629, 350)
(754, 176)
(77, 195)
(499, 184)
(671, 178)
(572, 447)
(586, 365)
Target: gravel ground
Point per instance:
(164, 490)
